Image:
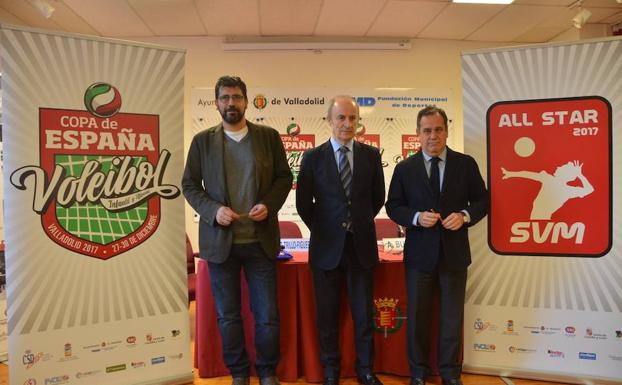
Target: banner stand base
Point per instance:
(173, 380)
(504, 372)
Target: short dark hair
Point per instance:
(230, 81)
(431, 110)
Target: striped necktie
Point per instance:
(345, 172)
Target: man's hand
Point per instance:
(225, 216)
(258, 213)
(428, 218)
(454, 221)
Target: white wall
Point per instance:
(429, 64)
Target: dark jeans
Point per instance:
(421, 286)
(260, 274)
(327, 287)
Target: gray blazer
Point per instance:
(205, 189)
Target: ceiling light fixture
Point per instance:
(233, 44)
(484, 1)
(579, 20)
(45, 9)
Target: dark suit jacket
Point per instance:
(205, 188)
(410, 191)
(323, 205)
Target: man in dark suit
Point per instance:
(237, 179)
(436, 195)
(339, 192)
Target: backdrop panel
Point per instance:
(544, 296)
(96, 271)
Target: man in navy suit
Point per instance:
(340, 190)
(436, 195)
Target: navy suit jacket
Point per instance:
(323, 205)
(410, 191)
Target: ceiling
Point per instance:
(524, 21)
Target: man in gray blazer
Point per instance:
(237, 178)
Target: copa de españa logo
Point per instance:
(550, 177)
(410, 145)
(362, 136)
(100, 180)
(295, 144)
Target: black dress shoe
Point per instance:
(452, 381)
(273, 380)
(240, 381)
(331, 381)
(369, 379)
(417, 381)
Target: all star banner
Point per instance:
(388, 122)
(544, 295)
(94, 226)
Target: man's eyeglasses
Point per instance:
(226, 98)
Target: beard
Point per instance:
(232, 115)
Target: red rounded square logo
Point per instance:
(550, 177)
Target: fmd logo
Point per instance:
(366, 101)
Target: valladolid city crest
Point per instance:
(387, 316)
(100, 180)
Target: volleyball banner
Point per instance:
(95, 245)
(544, 294)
